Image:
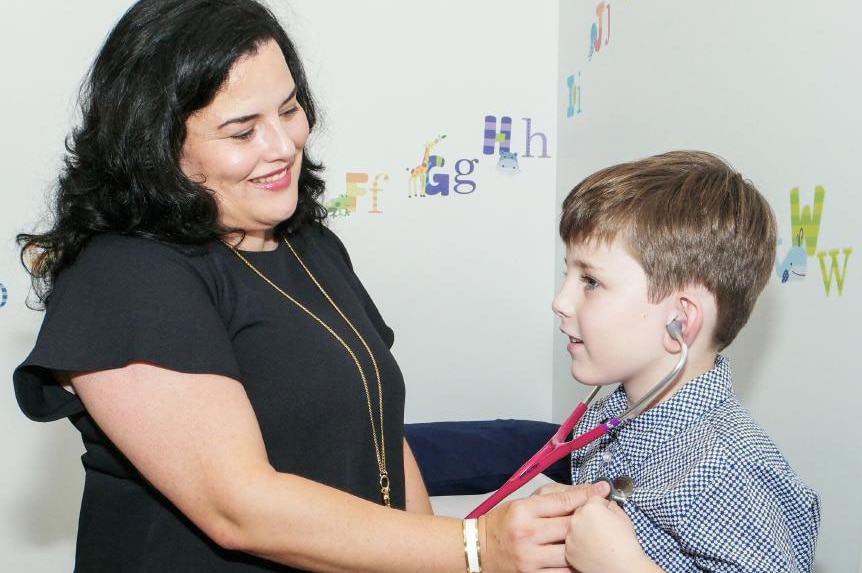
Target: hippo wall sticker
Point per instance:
(508, 162)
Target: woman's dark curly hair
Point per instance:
(164, 60)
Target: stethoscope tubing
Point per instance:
(557, 447)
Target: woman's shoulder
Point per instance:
(321, 238)
(111, 260)
(111, 251)
(126, 246)
(318, 232)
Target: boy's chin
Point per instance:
(594, 384)
(587, 380)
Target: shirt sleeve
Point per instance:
(753, 519)
(123, 300)
(386, 333)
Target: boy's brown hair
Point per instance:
(688, 218)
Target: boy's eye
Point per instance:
(589, 282)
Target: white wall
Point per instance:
(463, 279)
(774, 88)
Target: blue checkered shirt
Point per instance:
(712, 491)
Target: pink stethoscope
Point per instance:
(557, 446)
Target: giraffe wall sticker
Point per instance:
(430, 179)
(418, 182)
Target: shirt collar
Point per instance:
(646, 432)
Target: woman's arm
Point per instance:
(417, 495)
(196, 439)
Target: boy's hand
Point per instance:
(527, 535)
(601, 539)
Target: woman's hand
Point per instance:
(601, 539)
(592, 489)
(527, 535)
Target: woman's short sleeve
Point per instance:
(386, 333)
(124, 300)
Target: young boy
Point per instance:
(679, 236)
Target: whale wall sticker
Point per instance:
(794, 267)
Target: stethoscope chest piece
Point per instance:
(621, 489)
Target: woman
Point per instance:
(230, 376)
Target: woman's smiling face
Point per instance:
(246, 145)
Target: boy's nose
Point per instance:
(562, 306)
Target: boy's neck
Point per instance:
(697, 364)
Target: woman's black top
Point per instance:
(130, 299)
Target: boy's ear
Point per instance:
(688, 311)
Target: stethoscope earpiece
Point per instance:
(674, 328)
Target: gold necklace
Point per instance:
(379, 449)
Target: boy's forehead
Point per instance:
(592, 247)
(600, 254)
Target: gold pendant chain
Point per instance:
(379, 449)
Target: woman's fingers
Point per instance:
(529, 533)
(561, 487)
(561, 502)
(551, 530)
(552, 488)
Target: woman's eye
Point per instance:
(244, 136)
(290, 112)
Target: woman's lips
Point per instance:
(275, 181)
